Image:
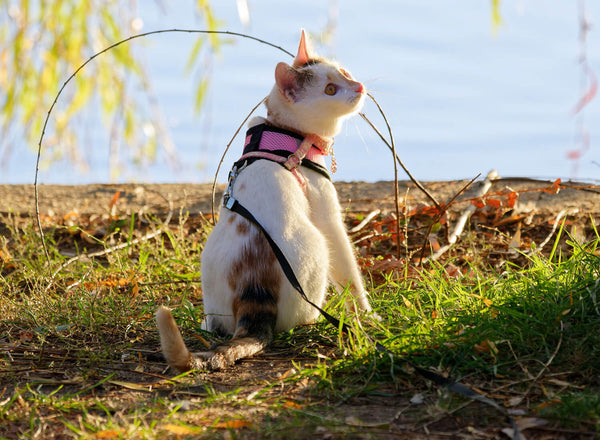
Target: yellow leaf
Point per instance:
(177, 429)
(110, 433)
(291, 404)
(234, 424)
(496, 16)
(486, 301)
(486, 346)
(407, 303)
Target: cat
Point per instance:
(245, 291)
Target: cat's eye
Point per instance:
(331, 89)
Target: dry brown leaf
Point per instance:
(109, 433)
(291, 404)
(234, 424)
(129, 385)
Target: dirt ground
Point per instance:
(58, 200)
(581, 202)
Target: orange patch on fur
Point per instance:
(243, 227)
(256, 265)
(241, 308)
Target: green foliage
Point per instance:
(42, 43)
(528, 337)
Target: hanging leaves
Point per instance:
(42, 43)
(496, 16)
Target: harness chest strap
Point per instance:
(274, 144)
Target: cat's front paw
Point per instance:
(373, 316)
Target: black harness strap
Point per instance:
(234, 206)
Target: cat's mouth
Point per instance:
(357, 100)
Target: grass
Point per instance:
(80, 353)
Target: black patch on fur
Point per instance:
(261, 322)
(258, 295)
(310, 63)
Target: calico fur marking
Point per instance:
(256, 265)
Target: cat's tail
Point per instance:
(256, 312)
(174, 350)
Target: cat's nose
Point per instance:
(360, 88)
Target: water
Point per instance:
(460, 100)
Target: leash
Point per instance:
(233, 205)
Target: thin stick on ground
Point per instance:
(365, 221)
(112, 249)
(462, 221)
(560, 215)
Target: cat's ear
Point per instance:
(302, 57)
(286, 78)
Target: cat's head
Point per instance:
(313, 95)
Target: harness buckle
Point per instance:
(293, 161)
(228, 194)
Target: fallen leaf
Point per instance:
(178, 429)
(70, 215)
(478, 203)
(417, 399)
(113, 202)
(288, 373)
(514, 401)
(486, 301)
(512, 198)
(547, 404)
(554, 188)
(434, 243)
(486, 346)
(234, 424)
(494, 203)
(523, 424)
(562, 383)
(291, 404)
(109, 433)
(129, 385)
(407, 303)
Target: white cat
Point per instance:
(246, 293)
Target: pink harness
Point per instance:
(312, 147)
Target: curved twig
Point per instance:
(74, 74)
(214, 186)
(393, 148)
(462, 221)
(408, 173)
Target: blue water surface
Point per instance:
(461, 98)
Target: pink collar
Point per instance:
(287, 148)
(275, 141)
